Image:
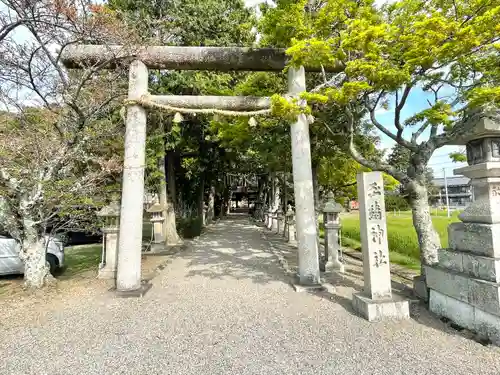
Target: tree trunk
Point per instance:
(428, 238)
(201, 196)
(171, 178)
(285, 191)
(33, 254)
(229, 201)
(224, 205)
(170, 226)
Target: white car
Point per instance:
(11, 264)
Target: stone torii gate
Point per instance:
(198, 58)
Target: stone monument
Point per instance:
(331, 222)
(110, 230)
(376, 302)
(465, 284)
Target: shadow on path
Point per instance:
(233, 248)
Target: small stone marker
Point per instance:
(376, 302)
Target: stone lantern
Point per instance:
(331, 221)
(157, 219)
(465, 284)
(110, 229)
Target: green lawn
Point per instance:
(403, 244)
(83, 258)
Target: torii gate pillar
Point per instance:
(309, 273)
(128, 278)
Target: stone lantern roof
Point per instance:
(488, 125)
(113, 209)
(331, 206)
(155, 208)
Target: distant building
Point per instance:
(460, 191)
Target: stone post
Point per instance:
(274, 223)
(110, 230)
(465, 284)
(281, 222)
(204, 215)
(266, 215)
(308, 263)
(291, 233)
(270, 219)
(157, 220)
(331, 222)
(256, 210)
(376, 302)
(288, 218)
(130, 241)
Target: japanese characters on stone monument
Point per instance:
(376, 302)
(374, 236)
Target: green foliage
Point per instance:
(80, 259)
(199, 146)
(82, 181)
(458, 157)
(401, 235)
(396, 202)
(189, 227)
(438, 46)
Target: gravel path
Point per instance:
(225, 307)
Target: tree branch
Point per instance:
(396, 138)
(399, 108)
(361, 159)
(5, 30)
(418, 133)
(344, 186)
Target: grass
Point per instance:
(403, 243)
(82, 258)
(79, 259)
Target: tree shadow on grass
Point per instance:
(80, 259)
